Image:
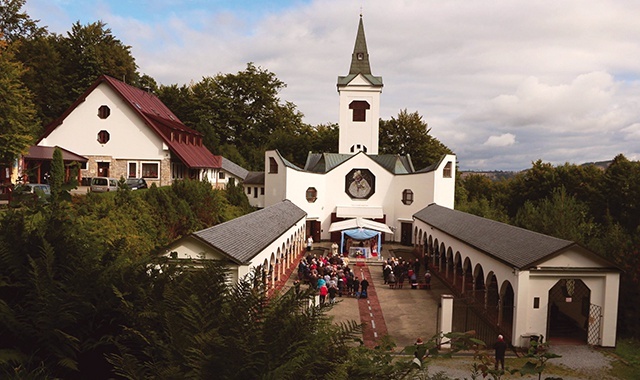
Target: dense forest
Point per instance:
(83, 293)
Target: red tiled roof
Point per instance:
(183, 141)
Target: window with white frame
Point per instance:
(177, 170)
(150, 170)
(133, 170)
(220, 175)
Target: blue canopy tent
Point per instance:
(362, 234)
(360, 229)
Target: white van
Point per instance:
(103, 184)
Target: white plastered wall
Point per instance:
(292, 184)
(352, 133)
(130, 137)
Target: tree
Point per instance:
(561, 215)
(15, 24)
(533, 184)
(621, 192)
(409, 134)
(90, 51)
(17, 113)
(199, 326)
(236, 112)
(57, 175)
(43, 76)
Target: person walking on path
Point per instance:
(356, 287)
(501, 348)
(364, 285)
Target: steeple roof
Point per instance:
(360, 61)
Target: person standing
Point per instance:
(427, 280)
(333, 291)
(309, 243)
(364, 285)
(356, 287)
(323, 293)
(501, 348)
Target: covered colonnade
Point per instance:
(523, 283)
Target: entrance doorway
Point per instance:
(103, 169)
(313, 229)
(569, 304)
(406, 230)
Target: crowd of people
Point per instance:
(396, 271)
(331, 276)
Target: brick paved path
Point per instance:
(370, 311)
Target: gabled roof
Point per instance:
(241, 239)
(46, 153)
(360, 61)
(183, 141)
(254, 178)
(325, 162)
(233, 168)
(512, 245)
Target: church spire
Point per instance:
(360, 57)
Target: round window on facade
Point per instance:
(312, 194)
(407, 196)
(103, 137)
(104, 112)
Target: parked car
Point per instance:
(103, 184)
(136, 183)
(30, 193)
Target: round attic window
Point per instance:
(103, 137)
(104, 112)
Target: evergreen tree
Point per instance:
(90, 51)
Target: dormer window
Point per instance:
(104, 112)
(359, 108)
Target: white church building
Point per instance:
(521, 283)
(341, 191)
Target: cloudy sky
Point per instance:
(502, 83)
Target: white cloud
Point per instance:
(562, 76)
(505, 139)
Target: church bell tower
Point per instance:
(359, 102)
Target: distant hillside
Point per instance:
(497, 175)
(600, 164)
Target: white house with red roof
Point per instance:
(124, 131)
